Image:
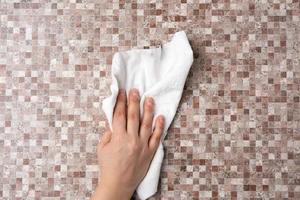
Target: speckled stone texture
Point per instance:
(237, 131)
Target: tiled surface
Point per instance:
(237, 131)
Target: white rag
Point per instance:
(159, 73)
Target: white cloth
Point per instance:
(159, 73)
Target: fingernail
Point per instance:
(150, 101)
(161, 119)
(122, 93)
(135, 93)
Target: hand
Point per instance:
(125, 153)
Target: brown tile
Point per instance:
(239, 113)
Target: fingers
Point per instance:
(133, 116)
(119, 116)
(158, 130)
(146, 126)
(105, 138)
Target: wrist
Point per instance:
(106, 192)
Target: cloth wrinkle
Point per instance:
(159, 73)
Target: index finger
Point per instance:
(119, 116)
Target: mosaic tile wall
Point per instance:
(237, 131)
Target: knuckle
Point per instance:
(146, 151)
(157, 138)
(118, 138)
(157, 135)
(121, 100)
(134, 147)
(119, 113)
(146, 125)
(132, 116)
(121, 97)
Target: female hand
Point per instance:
(125, 153)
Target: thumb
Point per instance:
(105, 138)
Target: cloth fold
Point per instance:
(160, 73)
